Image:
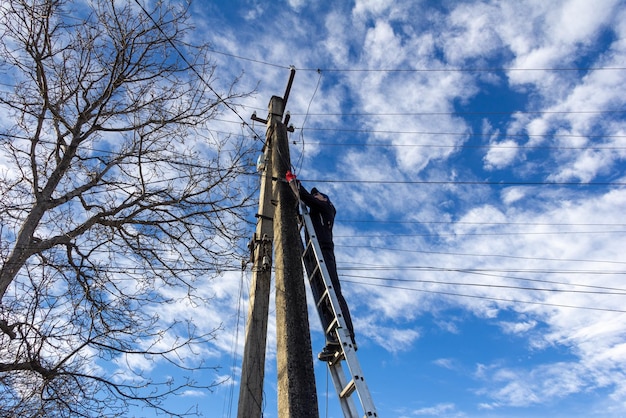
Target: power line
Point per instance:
(467, 182)
(465, 234)
(257, 61)
(485, 255)
(319, 80)
(460, 134)
(502, 183)
(475, 223)
(464, 146)
(528, 112)
(452, 113)
(558, 305)
(492, 272)
(488, 270)
(465, 134)
(603, 291)
(460, 70)
(417, 70)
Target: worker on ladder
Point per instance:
(318, 258)
(322, 213)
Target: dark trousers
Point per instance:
(331, 265)
(317, 288)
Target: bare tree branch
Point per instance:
(112, 197)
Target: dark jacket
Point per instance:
(322, 215)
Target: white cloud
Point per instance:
(550, 34)
(446, 363)
(365, 8)
(438, 410)
(585, 167)
(193, 394)
(471, 33)
(511, 195)
(394, 339)
(382, 46)
(336, 42)
(521, 388)
(296, 4)
(517, 327)
(479, 216)
(501, 155)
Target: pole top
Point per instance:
(292, 74)
(276, 106)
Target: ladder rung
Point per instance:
(348, 390)
(323, 297)
(313, 274)
(308, 249)
(332, 325)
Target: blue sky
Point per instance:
(475, 153)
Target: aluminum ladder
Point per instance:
(350, 380)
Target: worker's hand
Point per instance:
(290, 176)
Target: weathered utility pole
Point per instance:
(297, 396)
(253, 365)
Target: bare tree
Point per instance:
(111, 195)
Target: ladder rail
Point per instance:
(348, 406)
(321, 266)
(346, 384)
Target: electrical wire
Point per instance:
(301, 158)
(602, 290)
(327, 391)
(403, 222)
(462, 70)
(499, 145)
(500, 234)
(236, 341)
(503, 234)
(466, 146)
(557, 305)
(453, 113)
(418, 70)
(475, 183)
(371, 115)
(456, 255)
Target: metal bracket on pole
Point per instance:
(255, 118)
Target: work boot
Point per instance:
(329, 352)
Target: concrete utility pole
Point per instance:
(253, 365)
(297, 396)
